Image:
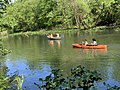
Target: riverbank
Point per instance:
(4, 34)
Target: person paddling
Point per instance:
(50, 35)
(57, 35)
(94, 42)
(85, 42)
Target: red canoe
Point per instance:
(89, 46)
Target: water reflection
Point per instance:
(35, 56)
(52, 42)
(95, 51)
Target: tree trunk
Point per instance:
(76, 14)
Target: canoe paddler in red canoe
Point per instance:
(85, 42)
(94, 42)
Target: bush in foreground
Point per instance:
(7, 82)
(79, 78)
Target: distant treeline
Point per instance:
(33, 15)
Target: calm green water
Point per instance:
(35, 56)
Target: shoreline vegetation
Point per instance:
(5, 34)
(44, 16)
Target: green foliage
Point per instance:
(84, 78)
(32, 15)
(29, 15)
(10, 82)
(104, 12)
(79, 78)
(19, 16)
(53, 81)
(45, 13)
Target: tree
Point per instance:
(45, 14)
(32, 15)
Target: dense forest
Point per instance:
(33, 15)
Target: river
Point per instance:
(34, 56)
